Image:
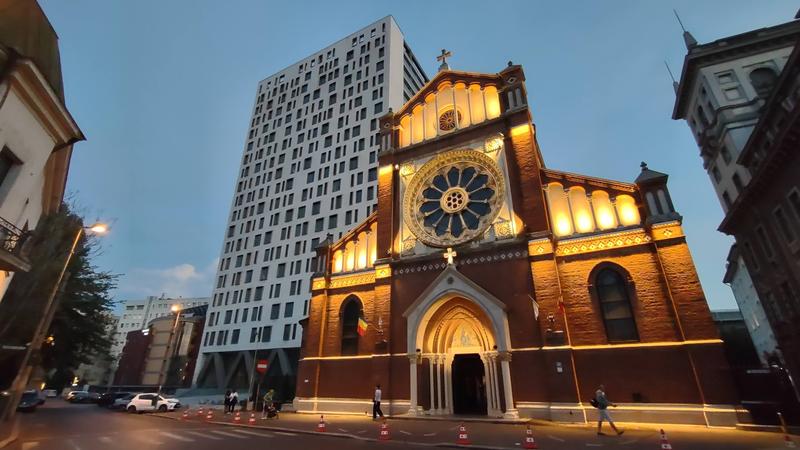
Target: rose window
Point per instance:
(453, 198)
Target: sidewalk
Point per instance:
(487, 435)
(9, 432)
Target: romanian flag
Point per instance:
(362, 326)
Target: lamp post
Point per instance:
(23, 375)
(165, 362)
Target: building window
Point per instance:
(612, 288)
(766, 244)
(287, 332)
(783, 225)
(7, 162)
(350, 316)
(763, 79)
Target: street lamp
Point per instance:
(176, 309)
(39, 336)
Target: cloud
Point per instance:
(184, 280)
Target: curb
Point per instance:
(342, 435)
(13, 436)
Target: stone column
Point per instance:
(511, 412)
(431, 363)
(448, 384)
(413, 358)
(496, 383)
(439, 376)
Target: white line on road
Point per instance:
(283, 433)
(342, 430)
(146, 440)
(225, 433)
(204, 435)
(176, 436)
(405, 432)
(429, 434)
(105, 439)
(555, 438)
(253, 433)
(361, 432)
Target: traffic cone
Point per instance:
(252, 419)
(200, 412)
(665, 445)
(237, 418)
(185, 415)
(463, 438)
(788, 442)
(210, 414)
(529, 441)
(321, 424)
(384, 433)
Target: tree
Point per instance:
(78, 327)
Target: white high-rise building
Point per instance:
(136, 314)
(309, 169)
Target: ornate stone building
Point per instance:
(492, 285)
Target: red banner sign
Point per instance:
(261, 366)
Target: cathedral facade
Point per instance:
(487, 284)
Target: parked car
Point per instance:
(78, 397)
(149, 402)
(176, 404)
(107, 398)
(122, 402)
(50, 393)
(29, 401)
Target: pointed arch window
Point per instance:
(613, 290)
(350, 315)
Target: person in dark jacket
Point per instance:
(602, 407)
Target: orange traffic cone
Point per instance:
(185, 414)
(665, 445)
(210, 414)
(200, 412)
(384, 433)
(529, 441)
(463, 438)
(252, 419)
(788, 442)
(237, 418)
(321, 424)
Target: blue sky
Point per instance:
(163, 92)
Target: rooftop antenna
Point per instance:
(688, 39)
(672, 77)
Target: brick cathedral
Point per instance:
(487, 284)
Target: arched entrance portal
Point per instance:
(459, 341)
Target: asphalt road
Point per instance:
(61, 426)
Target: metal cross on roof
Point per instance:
(443, 58)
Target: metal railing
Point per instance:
(11, 237)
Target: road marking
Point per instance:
(204, 435)
(405, 432)
(555, 438)
(594, 445)
(361, 432)
(225, 433)
(30, 445)
(105, 439)
(176, 436)
(146, 439)
(342, 430)
(283, 433)
(629, 442)
(253, 433)
(429, 434)
(73, 444)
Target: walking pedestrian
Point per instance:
(234, 400)
(376, 403)
(227, 401)
(601, 402)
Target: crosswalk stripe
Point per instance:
(225, 433)
(283, 433)
(176, 436)
(146, 440)
(204, 435)
(253, 433)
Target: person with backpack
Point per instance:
(227, 401)
(601, 402)
(269, 397)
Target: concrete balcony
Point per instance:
(12, 242)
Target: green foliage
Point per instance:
(79, 325)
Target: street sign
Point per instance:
(261, 366)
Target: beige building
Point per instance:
(37, 131)
(172, 353)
